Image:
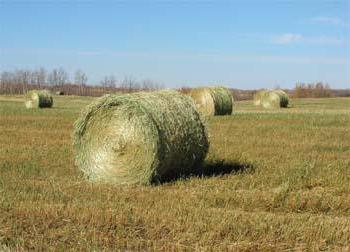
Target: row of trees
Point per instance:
(20, 81)
(23, 80)
(312, 90)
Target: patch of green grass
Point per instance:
(273, 180)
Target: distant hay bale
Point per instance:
(139, 138)
(212, 101)
(59, 93)
(38, 99)
(258, 97)
(275, 99)
(284, 98)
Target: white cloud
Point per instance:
(329, 20)
(292, 38)
(287, 38)
(324, 41)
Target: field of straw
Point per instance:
(273, 180)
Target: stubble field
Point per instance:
(273, 180)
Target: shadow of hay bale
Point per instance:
(221, 167)
(212, 169)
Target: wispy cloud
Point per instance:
(293, 38)
(287, 38)
(325, 41)
(329, 20)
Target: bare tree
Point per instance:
(149, 84)
(80, 79)
(108, 81)
(62, 77)
(112, 81)
(22, 78)
(104, 82)
(38, 77)
(41, 77)
(129, 84)
(53, 78)
(58, 77)
(7, 79)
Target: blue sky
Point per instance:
(242, 44)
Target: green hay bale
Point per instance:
(139, 138)
(38, 99)
(258, 97)
(275, 99)
(213, 101)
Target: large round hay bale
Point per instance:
(139, 138)
(212, 101)
(275, 99)
(258, 96)
(38, 99)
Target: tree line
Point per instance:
(21, 81)
(312, 90)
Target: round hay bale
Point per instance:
(139, 138)
(213, 101)
(38, 99)
(284, 98)
(59, 93)
(275, 99)
(258, 97)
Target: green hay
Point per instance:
(213, 101)
(139, 138)
(38, 99)
(275, 99)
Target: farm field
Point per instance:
(273, 180)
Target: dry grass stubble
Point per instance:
(291, 190)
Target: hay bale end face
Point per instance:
(274, 99)
(38, 99)
(213, 101)
(139, 138)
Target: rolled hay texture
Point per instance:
(38, 99)
(275, 99)
(211, 101)
(139, 138)
(258, 96)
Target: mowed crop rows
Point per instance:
(273, 180)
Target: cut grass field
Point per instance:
(273, 180)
